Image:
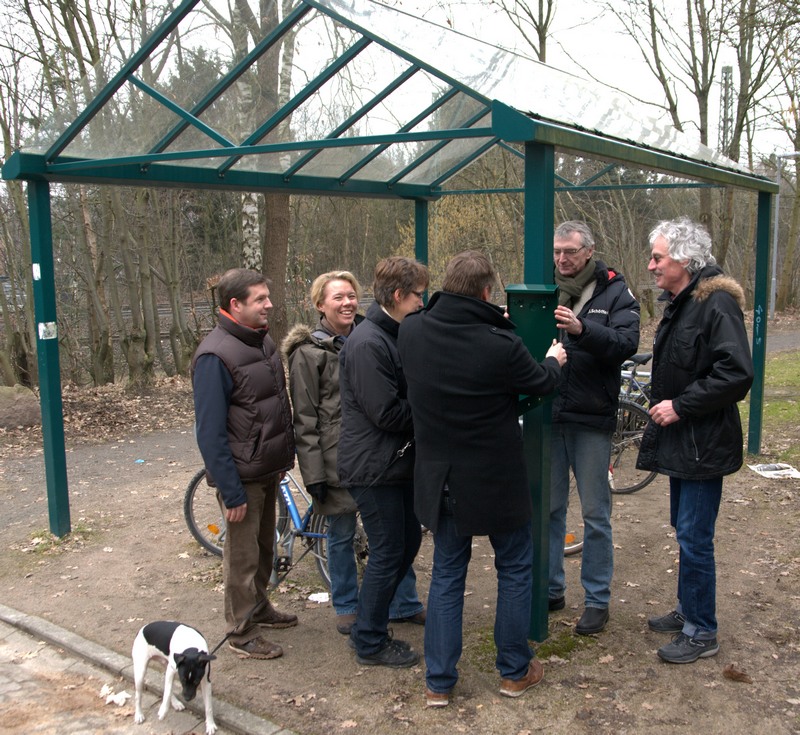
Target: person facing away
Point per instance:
(598, 317)
(375, 455)
(701, 369)
(466, 369)
(244, 433)
(312, 355)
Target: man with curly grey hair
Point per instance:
(701, 369)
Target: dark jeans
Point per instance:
(693, 509)
(394, 535)
(513, 559)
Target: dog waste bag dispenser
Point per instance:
(531, 309)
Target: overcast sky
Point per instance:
(583, 34)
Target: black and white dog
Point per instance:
(185, 651)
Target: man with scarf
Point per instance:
(244, 433)
(598, 319)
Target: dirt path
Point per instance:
(133, 560)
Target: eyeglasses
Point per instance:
(569, 252)
(418, 294)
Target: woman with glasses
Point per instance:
(376, 457)
(312, 354)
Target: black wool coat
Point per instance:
(466, 370)
(701, 361)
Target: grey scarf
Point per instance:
(570, 288)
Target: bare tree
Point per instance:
(532, 19)
(788, 119)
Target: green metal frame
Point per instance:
(501, 125)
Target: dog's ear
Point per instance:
(207, 657)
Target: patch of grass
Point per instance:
(44, 542)
(781, 411)
(563, 644)
(479, 648)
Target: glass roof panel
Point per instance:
(527, 85)
(333, 69)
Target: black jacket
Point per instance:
(376, 417)
(466, 370)
(701, 360)
(588, 391)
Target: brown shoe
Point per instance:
(437, 699)
(518, 687)
(417, 619)
(271, 618)
(344, 623)
(256, 648)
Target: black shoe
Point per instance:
(686, 650)
(402, 644)
(556, 603)
(593, 620)
(395, 655)
(672, 622)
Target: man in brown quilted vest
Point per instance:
(244, 432)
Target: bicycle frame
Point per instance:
(298, 526)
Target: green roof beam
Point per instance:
(512, 125)
(433, 150)
(477, 153)
(178, 110)
(372, 155)
(76, 164)
(233, 75)
(356, 116)
(402, 53)
(575, 187)
(308, 90)
(26, 166)
(150, 44)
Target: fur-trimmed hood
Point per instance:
(707, 286)
(299, 334)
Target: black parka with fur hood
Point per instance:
(701, 361)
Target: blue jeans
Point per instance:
(344, 573)
(513, 560)
(693, 509)
(394, 535)
(587, 451)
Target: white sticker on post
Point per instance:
(37, 272)
(48, 330)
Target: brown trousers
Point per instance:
(247, 558)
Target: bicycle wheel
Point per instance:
(203, 515)
(281, 511)
(319, 524)
(573, 538)
(623, 476)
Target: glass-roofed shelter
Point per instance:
(345, 98)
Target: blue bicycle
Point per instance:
(294, 519)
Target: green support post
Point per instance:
(531, 307)
(759, 322)
(44, 300)
(421, 230)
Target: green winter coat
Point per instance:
(313, 361)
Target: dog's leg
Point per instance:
(211, 726)
(165, 700)
(139, 669)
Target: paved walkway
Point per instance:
(51, 682)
